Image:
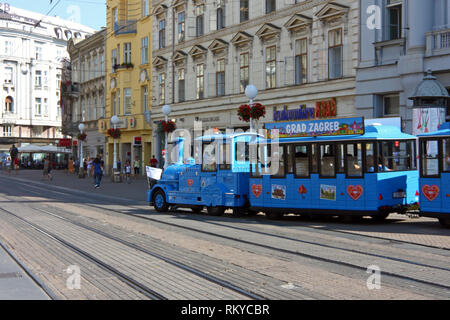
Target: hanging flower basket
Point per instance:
(168, 126)
(257, 111)
(244, 113)
(114, 133)
(82, 137)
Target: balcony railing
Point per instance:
(125, 26)
(438, 41)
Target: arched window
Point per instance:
(9, 107)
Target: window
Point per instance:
(394, 16)
(9, 47)
(199, 15)
(225, 156)
(38, 107)
(301, 61)
(370, 158)
(430, 158)
(181, 85)
(9, 75)
(145, 8)
(116, 102)
(127, 100)
(116, 18)
(102, 64)
(301, 160)
(8, 131)
(58, 81)
(45, 107)
(340, 153)
(354, 160)
(209, 163)
(127, 52)
(270, 6)
(314, 162)
(38, 79)
(278, 157)
(446, 158)
(9, 105)
(162, 34)
(391, 105)
(245, 71)
(114, 59)
(144, 96)
(200, 81)
(271, 67)
(181, 27)
(95, 66)
(144, 50)
(327, 160)
(397, 156)
(335, 54)
(243, 10)
(38, 49)
(220, 16)
(220, 77)
(162, 88)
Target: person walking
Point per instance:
(98, 171)
(89, 166)
(13, 153)
(47, 169)
(153, 162)
(128, 171)
(137, 166)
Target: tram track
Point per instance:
(397, 276)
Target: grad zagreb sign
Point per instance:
(315, 128)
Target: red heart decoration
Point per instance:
(190, 182)
(257, 190)
(355, 192)
(430, 192)
(302, 190)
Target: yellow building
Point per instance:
(128, 81)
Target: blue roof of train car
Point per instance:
(444, 130)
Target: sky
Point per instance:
(91, 13)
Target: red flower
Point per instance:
(256, 111)
(82, 136)
(244, 113)
(114, 133)
(168, 126)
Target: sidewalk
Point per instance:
(136, 190)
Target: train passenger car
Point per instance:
(370, 174)
(435, 174)
(218, 182)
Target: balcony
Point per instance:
(125, 27)
(71, 90)
(438, 42)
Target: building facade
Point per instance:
(301, 55)
(32, 48)
(400, 41)
(85, 92)
(128, 80)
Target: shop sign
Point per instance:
(315, 128)
(121, 125)
(324, 109)
(65, 143)
(137, 141)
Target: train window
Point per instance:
(301, 161)
(289, 158)
(327, 160)
(398, 156)
(209, 163)
(370, 158)
(225, 156)
(314, 162)
(277, 163)
(340, 158)
(430, 158)
(242, 151)
(354, 160)
(446, 158)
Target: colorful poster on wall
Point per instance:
(315, 128)
(427, 120)
(327, 192)
(278, 192)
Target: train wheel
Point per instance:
(239, 211)
(251, 213)
(159, 200)
(198, 209)
(273, 215)
(381, 216)
(216, 211)
(445, 222)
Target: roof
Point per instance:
(430, 88)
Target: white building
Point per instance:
(299, 54)
(31, 48)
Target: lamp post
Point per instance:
(166, 110)
(251, 92)
(81, 173)
(115, 120)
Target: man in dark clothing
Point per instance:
(13, 152)
(98, 172)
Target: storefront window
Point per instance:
(301, 161)
(430, 158)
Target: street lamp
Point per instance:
(251, 92)
(115, 120)
(166, 110)
(81, 170)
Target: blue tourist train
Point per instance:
(435, 174)
(318, 167)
